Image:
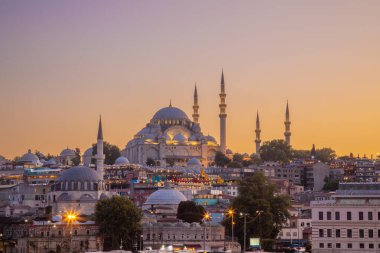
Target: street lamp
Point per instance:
(206, 217)
(245, 229)
(231, 212)
(141, 242)
(70, 217)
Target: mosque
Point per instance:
(172, 138)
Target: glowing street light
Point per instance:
(206, 217)
(231, 213)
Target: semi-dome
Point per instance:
(29, 158)
(193, 138)
(210, 138)
(165, 197)
(79, 173)
(88, 152)
(67, 152)
(194, 162)
(172, 113)
(179, 138)
(121, 161)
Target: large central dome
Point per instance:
(172, 113)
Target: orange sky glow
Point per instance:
(63, 63)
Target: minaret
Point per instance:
(222, 115)
(195, 106)
(99, 150)
(257, 131)
(287, 125)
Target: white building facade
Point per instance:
(349, 222)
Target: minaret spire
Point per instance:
(257, 131)
(222, 115)
(287, 123)
(100, 129)
(195, 106)
(99, 150)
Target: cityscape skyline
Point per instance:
(63, 64)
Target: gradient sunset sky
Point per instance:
(62, 63)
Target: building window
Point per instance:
(361, 245)
(360, 215)
(337, 215)
(378, 217)
(328, 232)
(328, 215)
(321, 245)
(337, 245)
(349, 216)
(361, 233)
(370, 233)
(337, 233)
(42, 234)
(371, 246)
(370, 217)
(320, 232)
(378, 233)
(320, 215)
(349, 245)
(349, 233)
(329, 245)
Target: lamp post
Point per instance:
(231, 213)
(206, 217)
(70, 218)
(141, 242)
(245, 229)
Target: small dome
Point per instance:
(50, 162)
(67, 152)
(144, 131)
(121, 161)
(29, 158)
(88, 152)
(165, 197)
(193, 138)
(172, 113)
(194, 162)
(79, 173)
(210, 138)
(179, 138)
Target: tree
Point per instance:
(275, 151)
(150, 162)
(221, 160)
(267, 213)
(76, 160)
(331, 184)
(325, 154)
(237, 158)
(112, 152)
(188, 211)
(300, 154)
(234, 164)
(118, 219)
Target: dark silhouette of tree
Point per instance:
(111, 152)
(325, 154)
(275, 151)
(267, 212)
(118, 219)
(221, 160)
(190, 212)
(331, 184)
